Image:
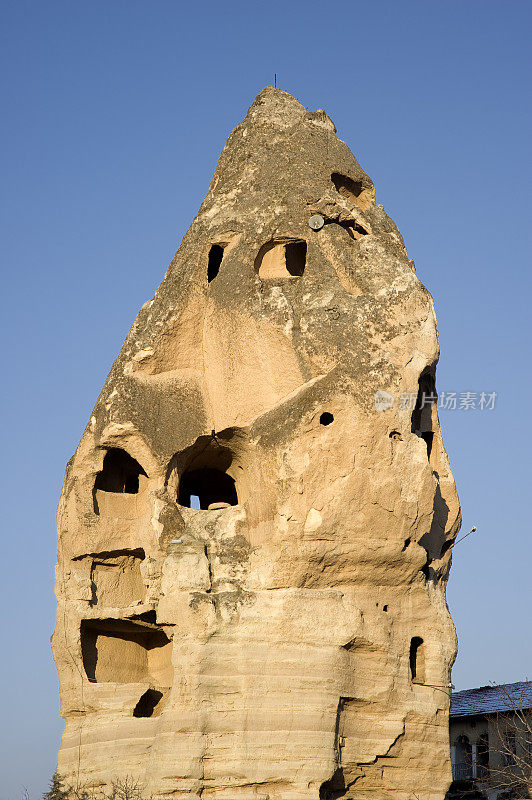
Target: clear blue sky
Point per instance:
(114, 113)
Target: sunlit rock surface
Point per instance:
(290, 639)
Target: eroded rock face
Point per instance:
(289, 638)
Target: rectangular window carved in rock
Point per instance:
(216, 254)
(281, 259)
(417, 660)
(119, 651)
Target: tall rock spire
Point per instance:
(255, 530)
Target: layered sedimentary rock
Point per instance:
(255, 531)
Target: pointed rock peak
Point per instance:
(279, 159)
(275, 104)
(278, 108)
(271, 94)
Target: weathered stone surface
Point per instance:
(264, 647)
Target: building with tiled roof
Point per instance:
(491, 699)
(491, 741)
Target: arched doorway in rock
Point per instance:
(212, 473)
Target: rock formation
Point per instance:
(255, 531)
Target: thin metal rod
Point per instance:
(473, 529)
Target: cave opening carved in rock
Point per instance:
(334, 788)
(353, 191)
(281, 259)
(149, 704)
(213, 473)
(354, 229)
(121, 475)
(120, 651)
(210, 487)
(417, 660)
(216, 254)
(425, 409)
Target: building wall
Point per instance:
(497, 768)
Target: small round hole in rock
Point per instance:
(395, 435)
(326, 418)
(385, 607)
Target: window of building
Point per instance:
(509, 748)
(483, 755)
(462, 763)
